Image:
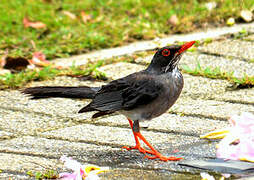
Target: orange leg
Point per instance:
(153, 151)
(138, 147)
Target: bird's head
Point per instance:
(167, 58)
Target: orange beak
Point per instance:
(186, 46)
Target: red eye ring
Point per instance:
(165, 52)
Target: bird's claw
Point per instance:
(163, 158)
(142, 150)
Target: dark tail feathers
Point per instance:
(60, 91)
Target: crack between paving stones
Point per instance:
(232, 101)
(14, 173)
(228, 57)
(27, 154)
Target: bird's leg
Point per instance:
(137, 146)
(136, 132)
(155, 152)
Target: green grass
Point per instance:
(20, 79)
(48, 174)
(113, 23)
(216, 73)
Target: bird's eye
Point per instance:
(165, 52)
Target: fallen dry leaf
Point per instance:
(39, 59)
(36, 24)
(85, 17)
(70, 15)
(246, 15)
(14, 63)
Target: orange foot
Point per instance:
(154, 152)
(163, 158)
(138, 147)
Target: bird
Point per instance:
(140, 96)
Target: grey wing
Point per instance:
(124, 94)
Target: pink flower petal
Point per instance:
(242, 132)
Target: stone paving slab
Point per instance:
(5, 135)
(21, 164)
(209, 108)
(102, 155)
(236, 65)
(31, 123)
(204, 88)
(14, 176)
(229, 47)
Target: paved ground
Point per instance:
(35, 134)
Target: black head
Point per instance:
(167, 58)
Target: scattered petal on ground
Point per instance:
(239, 143)
(35, 24)
(206, 176)
(39, 59)
(238, 140)
(81, 172)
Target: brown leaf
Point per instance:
(36, 24)
(70, 15)
(14, 63)
(85, 17)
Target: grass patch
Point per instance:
(215, 73)
(113, 23)
(20, 79)
(48, 174)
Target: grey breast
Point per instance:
(172, 84)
